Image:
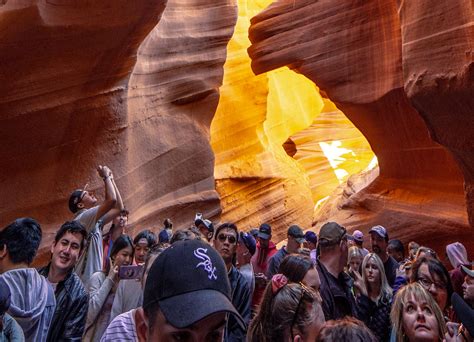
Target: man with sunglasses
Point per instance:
(83, 204)
(225, 243)
(336, 285)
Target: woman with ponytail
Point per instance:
(288, 312)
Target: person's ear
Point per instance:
(80, 205)
(52, 246)
(3, 251)
(297, 338)
(141, 322)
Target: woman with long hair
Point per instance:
(380, 294)
(416, 316)
(102, 287)
(300, 268)
(288, 312)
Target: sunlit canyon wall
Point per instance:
(191, 116)
(376, 62)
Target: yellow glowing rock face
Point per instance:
(330, 150)
(255, 177)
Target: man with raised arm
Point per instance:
(93, 217)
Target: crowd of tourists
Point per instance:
(214, 282)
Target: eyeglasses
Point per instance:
(231, 238)
(426, 283)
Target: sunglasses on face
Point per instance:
(222, 237)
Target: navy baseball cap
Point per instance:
(249, 242)
(296, 232)
(207, 223)
(197, 288)
(265, 231)
(311, 237)
(380, 231)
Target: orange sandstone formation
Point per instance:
(353, 52)
(136, 84)
(74, 95)
(257, 181)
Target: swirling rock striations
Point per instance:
(353, 51)
(173, 95)
(438, 70)
(73, 95)
(257, 181)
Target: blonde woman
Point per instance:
(354, 259)
(380, 294)
(416, 316)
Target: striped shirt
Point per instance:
(122, 328)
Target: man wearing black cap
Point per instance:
(265, 250)
(295, 238)
(338, 300)
(379, 239)
(83, 204)
(187, 295)
(225, 243)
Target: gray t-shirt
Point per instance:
(91, 260)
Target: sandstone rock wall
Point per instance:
(353, 51)
(136, 84)
(257, 181)
(74, 94)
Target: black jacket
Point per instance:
(338, 300)
(379, 319)
(72, 302)
(241, 300)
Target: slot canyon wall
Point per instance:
(128, 84)
(404, 80)
(167, 95)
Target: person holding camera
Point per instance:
(102, 288)
(93, 216)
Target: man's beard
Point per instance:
(376, 249)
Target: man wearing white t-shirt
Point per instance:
(93, 217)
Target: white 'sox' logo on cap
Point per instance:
(206, 263)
